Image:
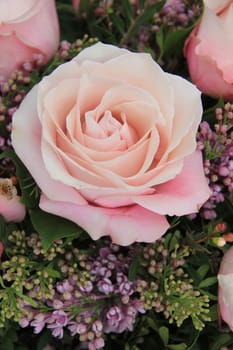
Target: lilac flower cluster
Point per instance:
(103, 289)
(89, 302)
(217, 147)
(177, 14)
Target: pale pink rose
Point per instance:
(10, 206)
(209, 50)
(27, 28)
(76, 4)
(225, 290)
(110, 139)
(217, 5)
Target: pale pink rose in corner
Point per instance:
(110, 139)
(225, 290)
(76, 4)
(217, 5)
(27, 27)
(209, 50)
(10, 206)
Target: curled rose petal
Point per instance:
(111, 142)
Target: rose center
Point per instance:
(112, 127)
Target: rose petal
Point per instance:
(28, 148)
(125, 225)
(183, 195)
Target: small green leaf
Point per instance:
(44, 339)
(174, 42)
(28, 299)
(160, 40)
(51, 227)
(146, 16)
(128, 10)
(133, 269)
(118, 22)
(223, 339)
(152, 324)
(52, 273)
(213, 312)
(210, 281)
(202, 271)
(174, 240)
(164, 334)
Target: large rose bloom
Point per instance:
(110, 140)
(27, 28)
(209, 50)
(225, 291)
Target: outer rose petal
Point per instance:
(125, 225)
(12, 209)
(225, 295)
(29, 149)
(183, 195)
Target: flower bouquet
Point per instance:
(116, 174)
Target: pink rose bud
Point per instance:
(76, 4)
(10, 206)
(27, 28)
(209, 50)
(225, 295)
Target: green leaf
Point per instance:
(174, 240)
(51, 227)
(223, 339)
(44, 339)
(213, 312)
(202, 271)
(118, 22)
(133, 269)
(8, 340)
(160, 40)
(28, 299)
(181, 346)
(210, 281)
(128, 10)
(164, 334)
(146, 16)
(174, 41)
(52, 273)
(152, 324)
